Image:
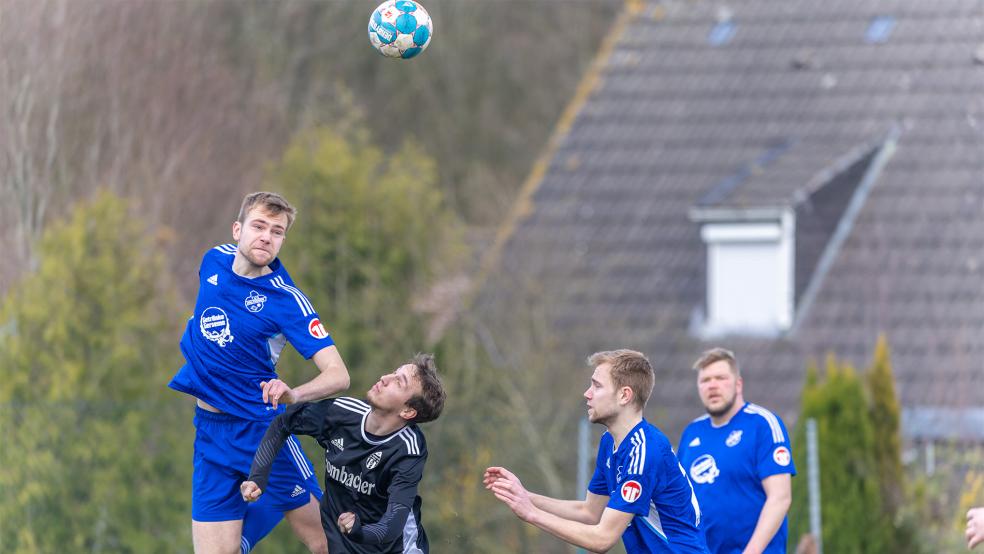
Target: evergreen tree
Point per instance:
(92, 453)
(371, 233)
(849, 485)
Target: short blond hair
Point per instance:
(629, 369)
(715, 355)
(271, 202)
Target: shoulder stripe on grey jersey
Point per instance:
(410, 440)
(413, 445)
(352, 405)
(637, 458)
(302, 301)
(226, 248)
(777, 434)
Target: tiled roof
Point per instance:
(621, 263)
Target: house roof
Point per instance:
(795, 93)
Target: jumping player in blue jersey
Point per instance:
(638, 491)
(740, 462)
(247, 310)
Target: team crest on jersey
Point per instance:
(255, 301)
(704, 470)
(214, 324)
(316, 329)
(631, 491)
(373, 460)
(734, 438)
(781, 456)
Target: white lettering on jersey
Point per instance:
(215, 326)
(704, 470)
(734, 438)
(338, 443)
(350, 480)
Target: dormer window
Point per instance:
(750, 273)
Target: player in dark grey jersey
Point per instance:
(374, 459)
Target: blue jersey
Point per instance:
(727, 465)
(239, 328)
(643, 477)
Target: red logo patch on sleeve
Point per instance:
(631, 491)
(316, 329)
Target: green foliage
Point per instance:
(92, 451)
(371, 235)
(849, 482)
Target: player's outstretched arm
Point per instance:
(598, 537)
(259, 472)
(975, 527)
(333, 377)
(584, 511)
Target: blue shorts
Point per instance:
(224, 448)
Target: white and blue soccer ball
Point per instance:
(400, 29)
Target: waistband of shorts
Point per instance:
(218, 417)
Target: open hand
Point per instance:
(975, 527)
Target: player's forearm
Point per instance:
(769, 521)
(333, 377)
(590, 537)
(575, 510)
(386, 530)
(270, 445)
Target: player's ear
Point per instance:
(237, 228)
(625, 396)
(408, 413)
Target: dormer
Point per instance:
(771, 235)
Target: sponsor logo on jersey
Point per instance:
(255, 301)
(695, 442)
(781, 456)
(215, 327)
(350, 480)
(373, 460)
(734, 438)
(298, 491)
(704, 470)
(338, 443)
(316, 329)
(631, 491)
(214, 279)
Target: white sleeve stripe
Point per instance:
(355, 402)
(637, 457)
(777, 434)
(226, 248)
(299, 294)
(302, 302)
(405, 441)
(297, 454)
(413, 440)
(351, 406)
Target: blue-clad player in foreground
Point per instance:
(639, 492)
(247, 310)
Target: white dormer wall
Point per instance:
(750, 275)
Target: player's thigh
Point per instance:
(306, 523)
(217, 537)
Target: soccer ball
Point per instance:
(400, 28)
